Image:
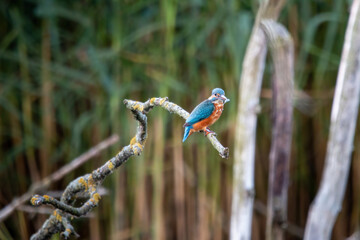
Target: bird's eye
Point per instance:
(217, 94)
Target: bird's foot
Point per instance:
(208, 131)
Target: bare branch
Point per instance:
(173, 108)
(37, 186)
(88, 184)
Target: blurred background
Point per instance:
(66, 66)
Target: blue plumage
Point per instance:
(187, 132)
(202, 111)
(218, 90)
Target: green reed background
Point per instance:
(66, 66)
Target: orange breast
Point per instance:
(210, 120)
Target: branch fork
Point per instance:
(87, 185)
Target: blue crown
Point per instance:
(218, 90)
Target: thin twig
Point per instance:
(59, 174)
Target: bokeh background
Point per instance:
(66, 66)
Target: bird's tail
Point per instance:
(187, 132)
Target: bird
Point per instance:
(205, 114)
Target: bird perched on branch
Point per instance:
(206, 113)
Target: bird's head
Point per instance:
(218, 95)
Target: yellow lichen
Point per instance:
(136, 152)
(97, 197)
(83, 182)
(152, 100)
(138, 106)
(162, 101)
(91, 180)
(133, 140)
(68, 230)
(139, 145)
(111, 166)
(57, 216)
(47, 197)
(33, 200)
(135, 148)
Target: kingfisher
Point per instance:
(205, 114)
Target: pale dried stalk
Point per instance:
(282, 52)
(245, 129)
(327, 203)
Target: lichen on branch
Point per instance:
(87, 185)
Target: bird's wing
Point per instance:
(202, 111)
